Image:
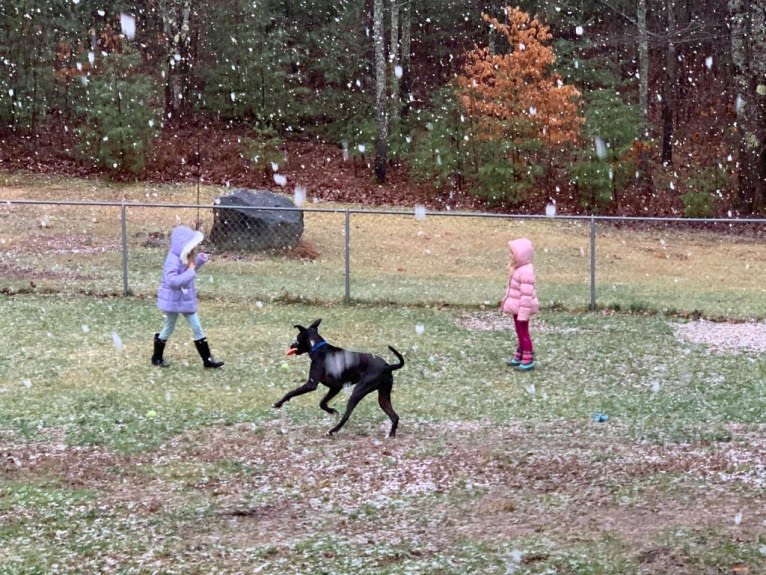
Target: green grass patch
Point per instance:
(110, 464)
(671, 268)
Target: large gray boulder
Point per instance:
(239, 224)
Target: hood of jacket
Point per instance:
(183, 240)
(522, 251)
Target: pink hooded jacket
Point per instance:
(521, 296)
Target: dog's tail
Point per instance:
(399, 365)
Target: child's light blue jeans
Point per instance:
(170, 324)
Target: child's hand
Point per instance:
(201, 258)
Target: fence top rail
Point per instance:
(388, 211)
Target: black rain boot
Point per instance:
(159, 349)
(204, 351)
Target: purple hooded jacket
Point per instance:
(177, 292)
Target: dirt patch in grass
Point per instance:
(17, 272)
(486, 321)
(430, 488)
(724, 336)
(719, 336)
(495, 321)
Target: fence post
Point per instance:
(124, 241)
(592, 306)
(347, 256)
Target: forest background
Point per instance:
(634, 107)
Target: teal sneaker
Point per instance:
(515, 361)
(527, 361)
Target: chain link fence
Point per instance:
(714, 267)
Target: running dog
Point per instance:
(336, 367)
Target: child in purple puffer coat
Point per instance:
(177, 294)
(521, 300)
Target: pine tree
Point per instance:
(514, 98)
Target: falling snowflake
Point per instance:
(280, 180)
(600, 147)
(550, 209)
(299, 196)
(128, 26)
(117, 341)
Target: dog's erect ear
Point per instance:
(315, 323)
(299, 327)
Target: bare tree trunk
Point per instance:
(176, 26)
(643, 87)
(748, 47)
(643, 64)
(406, 56)
(381, 143)
(669, 85)
(396, 68)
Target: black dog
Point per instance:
(335, 367)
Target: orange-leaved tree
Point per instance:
(514, 100)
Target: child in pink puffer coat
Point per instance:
(521, 300)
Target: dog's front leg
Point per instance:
(310, 385)
(324, 404)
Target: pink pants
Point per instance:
(522, 333)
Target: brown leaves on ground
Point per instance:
(213, 154)
(277, 483)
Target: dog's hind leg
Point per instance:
(384, 400)
(360, 390)
(324, 404)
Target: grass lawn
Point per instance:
(394, 257)
(108, 465)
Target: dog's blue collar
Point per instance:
(318, 345)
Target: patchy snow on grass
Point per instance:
(496, 321)
(246, 488)
(724, 336)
